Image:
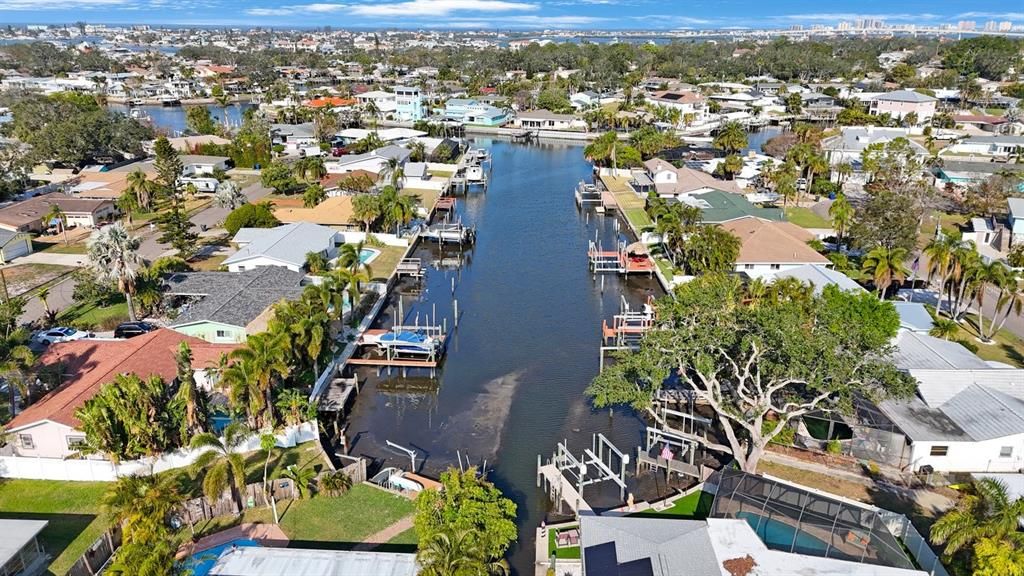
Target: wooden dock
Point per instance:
(412, 267)
(562, 490)
(393, 362)
(446, 203)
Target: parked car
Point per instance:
(132, 329)
(61, 334)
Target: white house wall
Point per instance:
(49, 439)
(970, 456)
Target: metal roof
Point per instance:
(15, 534)
(914, 316)
(905, 96)
(819, 276)
(287, 244)
(674, 547)
(921, 351)
(260, 561)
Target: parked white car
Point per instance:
(61, 334)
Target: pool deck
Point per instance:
(268, 535)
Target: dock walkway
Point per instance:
(560, 487)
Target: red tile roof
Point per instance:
(333, 101)
(88, 364)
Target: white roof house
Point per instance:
(20, 550)
(820, 276)
(285, 245)
(967, 414)
(260, 561)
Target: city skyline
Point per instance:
(513, 14)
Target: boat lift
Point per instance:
(618, 261)
(565, 475)
(627, 328)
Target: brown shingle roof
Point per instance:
(88, 364)
(766, 242)
(34, 209)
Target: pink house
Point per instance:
(902, 102)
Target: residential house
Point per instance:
(408, 104)
(914, 316)
(718, 207)
(900, 103)
(629, 545)
(999, 146)
(28, 215)
(374, 161)
(285, 246)
(270, 561)
(21, 551)
(819, 276)
(667, 181)
(768, 248)
(197, 165)
(385, 102)
(387, 135)
(227, 307)
(847, 147)
(692, 106)
(547, 120)
(188, 144)
(293, 136)
(49, 427)
(335, 211)
(471, 111)
(967, 414)
(14, 244)
(1016, 206)
(965, 173)
(585, 100)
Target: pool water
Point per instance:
(201, 563)
(366, 255)
(779, 535)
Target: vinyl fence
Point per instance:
(104, 470)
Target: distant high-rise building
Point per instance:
(844, 26)
(796, 27)
(966, 25)
(859, 24)
(1005, 26)
(990, 26)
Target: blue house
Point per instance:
(408, 103)
(470, 111)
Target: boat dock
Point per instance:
(627, 328)
(449, 232)
(560, 490)
(412, 267)
(445, 203)
(632, 259)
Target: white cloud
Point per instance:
(69, 5)
(999, 15)
(837, 16)
(419, 8)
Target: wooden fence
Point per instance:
(96, 557)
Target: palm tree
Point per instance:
(986, 511)
(189, 394)
(816, 164)
(885, 266)
(844, 170)
(1009, 299)
(142, 504)
(313, 196)
(944, 328)
(229, 196)
(127, 203)
(42, 295)
(418, 152)
(336, 483)
(143, 188)
(841, 212)
(940, 261)
(224, 465)
(293, 405)
(301, 477)
(56, 214)
(732, 138)
(990, 274)
(350, 256)
(264, 357)
(267, 443)
(15, 360)
(366, 208)
(374, 112)
(453, 552)
(114, 255)
(392, 171)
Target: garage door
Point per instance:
(15, 249)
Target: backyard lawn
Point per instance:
(72, 508)
(692, 506)
(58, 247)
(22, 278)
(384, 264)
(1008, 347)
(806, 218)
(565, 552)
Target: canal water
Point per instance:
(526, 346)
(171, 119)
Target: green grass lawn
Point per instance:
(806, 218)
(72, 508)
(666, 267)
(385, 263)
(407, 538)
(1008, 347)
(638, 217)
(94, 316)
(341, 522)
(693, 506)
(565, 552)
(59, 247)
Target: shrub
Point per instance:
(967, 344)
(785, 437)
(250, 216)
(833, 447)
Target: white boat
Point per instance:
(587, 194)
(136, 102)
(139, 114)
(454, 233)
(410, 341)
(474, 174)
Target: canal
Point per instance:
(526, 346)
(171, 119)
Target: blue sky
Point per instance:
(522, 14)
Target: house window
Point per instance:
(1006, 452)
(76, 442)
(748, 266)
(26, 441)
(222, 333)
(775, 266)
(939, 451)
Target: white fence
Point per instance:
(353, 236)
(104, 470)
(901, 527)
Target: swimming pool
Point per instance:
(367, 255)
(201, 563)
(779, 535)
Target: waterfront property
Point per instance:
(547, 120)
(260, 561)
(285, 245)
(470, 111)
(49, 428)
(408, 104)
(901, 103)
(228, 307)
(767, 248)
(669, 182)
